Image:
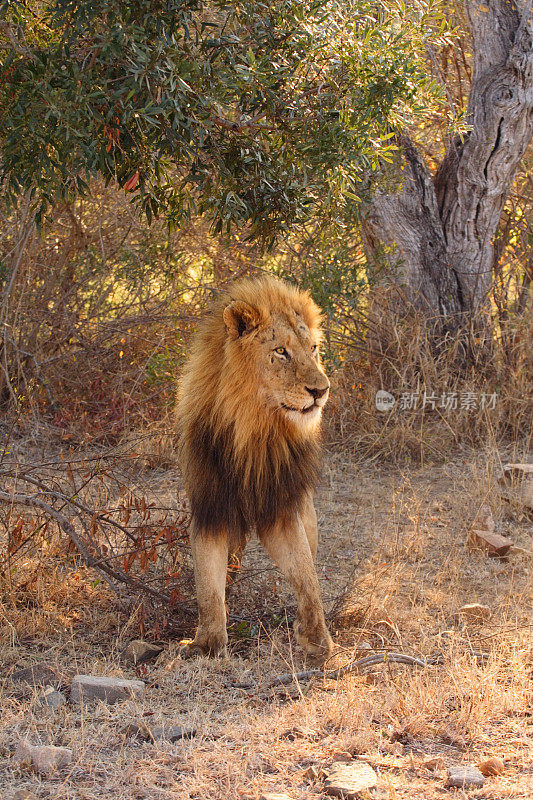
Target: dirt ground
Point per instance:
(396, 569)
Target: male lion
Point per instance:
(249, 409)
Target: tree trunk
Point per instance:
(438, 232)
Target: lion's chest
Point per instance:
(237, 495)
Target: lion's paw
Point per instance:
(317, 644)
(212, 646)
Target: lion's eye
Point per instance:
(281, 351)
(314, 349)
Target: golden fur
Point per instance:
(248, 413)
(219, 383)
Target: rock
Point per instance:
(519, 472)
(492, 766)
(519, 478)
(41, 674)
(275, 796)
(474, 611)
(493, 543)
(24, 794)
(138, 652)
(51, 698)
(462, 776)
(482, 534)
(172, 733)
(49, 759)
(140, 730)
(344, 756)
(24, 751)
(349, 780)
(112, 690)
(45, 759)
(168, 733)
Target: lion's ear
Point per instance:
(240, 318)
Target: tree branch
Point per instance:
(109, 574)
(473, 180)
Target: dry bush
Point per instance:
(95, 517)
(96, 311)
(476, 385)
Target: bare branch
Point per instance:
(354, 666)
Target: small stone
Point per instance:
(462, 776)
(275, 796)
(41, 674)
(111, 690)
(139, 730)
(48, 759)
(172, 733)
(349, 780)
(493, 543)
(475, 611)
(518, 472)
(45, 759)
(492, 766)
(343, 756)
(51, 698)
(138, 652)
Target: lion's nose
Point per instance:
(316, 393)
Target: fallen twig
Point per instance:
(353, 666)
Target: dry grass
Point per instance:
(396, 541)
(484, 372)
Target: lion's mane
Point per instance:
(244, 467)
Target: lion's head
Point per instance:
(273, 334)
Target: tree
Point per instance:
(441, 228)
(258, 114)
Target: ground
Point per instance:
(395, 568)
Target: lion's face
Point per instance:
(284, 354)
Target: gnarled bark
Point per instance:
(441, 230)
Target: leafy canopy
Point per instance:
(252, 112)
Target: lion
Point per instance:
(249, 407)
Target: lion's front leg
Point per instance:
(287, 544)
(308, 516)
(210, 559)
